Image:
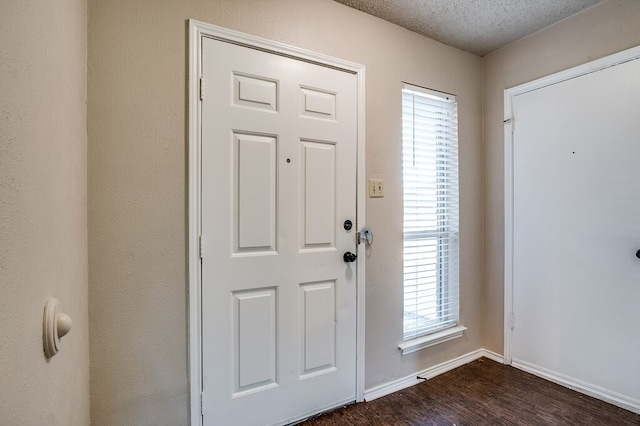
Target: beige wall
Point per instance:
(137, 185)
(604, 29)
(43, 213)
(137, 211)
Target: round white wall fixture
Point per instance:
(56, 325)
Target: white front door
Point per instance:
(279, 138)
(577, 230)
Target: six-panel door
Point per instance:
(278, 181)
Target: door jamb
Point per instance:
(198, 30)
(509, 121)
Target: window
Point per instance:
(430, 181)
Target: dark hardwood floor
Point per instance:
(483, 392)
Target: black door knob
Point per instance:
(349, 257)
(638, 254)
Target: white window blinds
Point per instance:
(430, 180)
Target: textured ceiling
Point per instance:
(476, 26)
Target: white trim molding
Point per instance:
(194, 226)
(493, 356)
(433, 339)
(597, 392)
(429, 373)
(197, 31)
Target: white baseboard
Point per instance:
(405, 382)
(493, 356)
(597, 392)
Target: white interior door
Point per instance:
(576, 230)
(279, 138)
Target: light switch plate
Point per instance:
(376, 188)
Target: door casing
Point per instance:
(198, 30)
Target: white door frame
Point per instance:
(509, 95)
(198, 30)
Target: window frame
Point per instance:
(445, 232)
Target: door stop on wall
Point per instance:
(56, 326)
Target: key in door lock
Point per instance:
(365, 236)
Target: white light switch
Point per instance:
(376, 188)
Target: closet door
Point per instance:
(576, 232)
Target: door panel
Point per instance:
(255, 92)
(279, 142)
(318, 173)
(255, 191)
(576, 231)
(254, 318)
(319, 339)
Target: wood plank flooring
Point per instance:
(483, 392)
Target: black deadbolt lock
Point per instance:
(348, 225)
(638, 254)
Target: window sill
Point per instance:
(419, 343)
